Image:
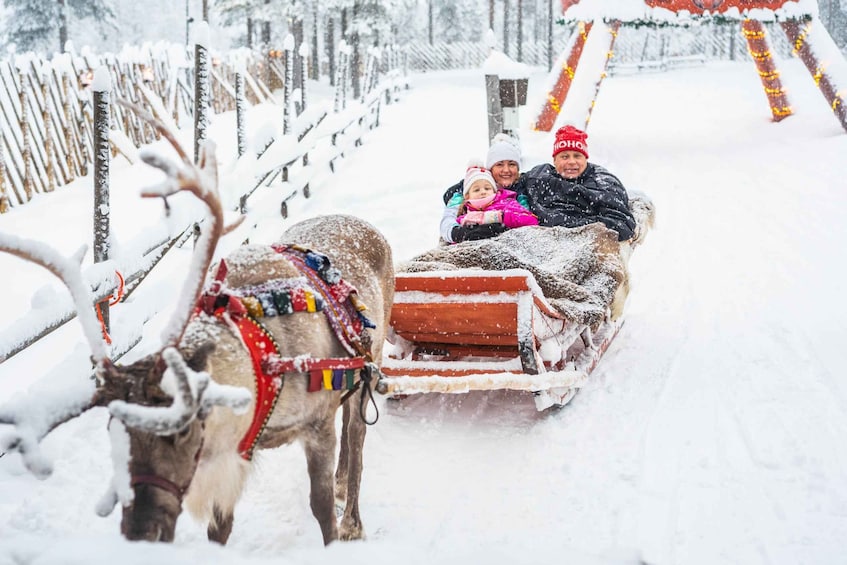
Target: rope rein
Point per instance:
(113, 299)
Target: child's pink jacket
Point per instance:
(514, 215)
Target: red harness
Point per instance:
(269, 367)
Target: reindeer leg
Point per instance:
(351, 523)
(343, 459)
(221, 526)
(320, 456)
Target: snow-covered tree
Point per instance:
(461, 20)
(42, 25)
(834, 16)
(237, 13)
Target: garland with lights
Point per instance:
(691, 20)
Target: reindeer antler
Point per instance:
(196, 395)
(201, 180)
(33, 423)
(68, 271)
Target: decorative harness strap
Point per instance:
(241, 313)
(345, 313)
(345, 310)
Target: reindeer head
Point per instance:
(158, 404)
(166, 403)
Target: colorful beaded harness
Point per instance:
(320, 289)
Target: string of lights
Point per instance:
(760, 51)
(614, 27)
(802, 37)
(557, 95)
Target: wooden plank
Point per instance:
(441, 372)
(462, 284)
(472, 318)
(484, 285)
(459, 338)
(454, 351)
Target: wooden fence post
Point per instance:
(201, 86)
(288, 50)
(345, 74)
(102, 156)
(304, 57)
(240, 110)
(48, 133)
(4, 198)
(26, 150)
(339, 77)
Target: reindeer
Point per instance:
(181, 450)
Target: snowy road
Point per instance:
(710, 433)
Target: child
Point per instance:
(484, 205)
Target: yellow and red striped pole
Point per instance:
(557, 95)
(757, 44)
(798, 35)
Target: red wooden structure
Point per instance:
(458, 331)
(800, 32)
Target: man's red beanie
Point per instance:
(569, 138)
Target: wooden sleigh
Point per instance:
(459, 331)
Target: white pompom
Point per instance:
(474, 162)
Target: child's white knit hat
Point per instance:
(474, 173)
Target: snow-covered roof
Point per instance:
(678, 11)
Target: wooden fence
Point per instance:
(284, 161)
(46, 111)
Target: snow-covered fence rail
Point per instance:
(318, 137)
(40, 322)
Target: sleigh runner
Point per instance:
(460, 331)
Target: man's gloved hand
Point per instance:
(475, 232)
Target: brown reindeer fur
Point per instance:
(363, 256)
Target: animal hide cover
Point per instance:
(579, 270)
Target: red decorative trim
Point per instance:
(275, 365)
(268, 366)
(260, 345)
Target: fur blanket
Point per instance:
(581, 271)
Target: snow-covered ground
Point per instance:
(710, 433)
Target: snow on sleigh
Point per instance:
(531, 310)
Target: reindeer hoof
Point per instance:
(352, 533)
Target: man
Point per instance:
(574, 192)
